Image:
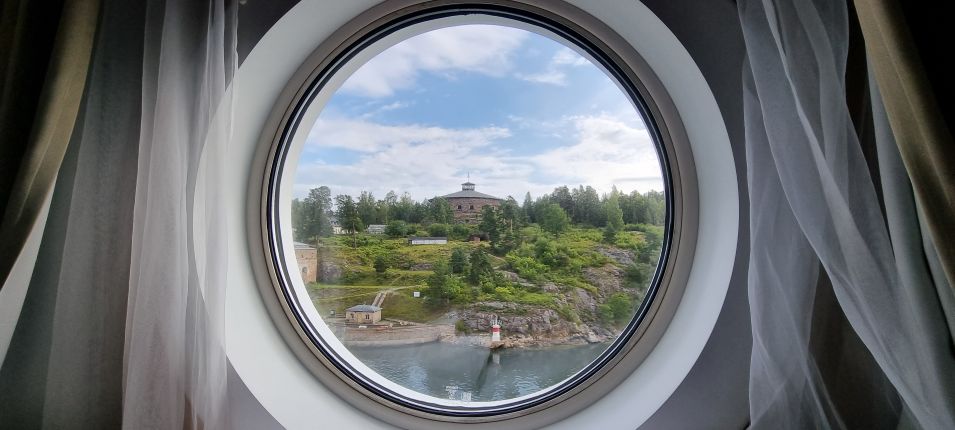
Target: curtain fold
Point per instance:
(920, 132)
(122, 323)
(813, 203)
(55, 117)
(175, 366)
(64, 366)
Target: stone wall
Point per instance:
(351, 335)
(466, 214)
(307, 260)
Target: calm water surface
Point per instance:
(472, 373)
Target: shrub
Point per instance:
(526, 267)
(605, 312)
(459, 261)
(396, 228)
(438, 230)
(621, 307)
(460, 232)
(381, 264)
(610, 234)
(638, 275)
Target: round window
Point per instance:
(472, 211)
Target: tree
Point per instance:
(444, 286)
(554, 219)
(618, 309)
(528, 208)
(348, 217)
(312, 215)
(367, 209)
(610, 235)
(614, 217)
(298, 222)
(510, 214)
(439, 211)
(587, 208)
(480, 265)
(621, 306)
(401, 208)
(438, 230)
(381, 264)
(460, 231)
(562, 197)
(459, 261)
(396, 228)
(490, 224)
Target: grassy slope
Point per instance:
(360, 282)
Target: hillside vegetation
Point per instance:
(548, 274)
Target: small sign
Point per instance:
(417, 294)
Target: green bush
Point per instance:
(438, 230)
(527, 267)
(460, 232)
(381, 264)
(459, 261)
(638, 275)
(610, 234)
(396, 229)
(605, 312)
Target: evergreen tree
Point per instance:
(367, 209)
(563, 198)
(348, 216)
(313, 214)
(528, 209)
(381, 264)
(439, 211)
(490, 224)
(480, 266)
(459, 261)
(614, 213)
(554, 219)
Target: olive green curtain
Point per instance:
(55, 115)
(920, 131)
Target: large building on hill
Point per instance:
(467, 203)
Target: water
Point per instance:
(472, 373)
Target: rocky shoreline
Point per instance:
(528, 326)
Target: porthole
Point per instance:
(364, 294)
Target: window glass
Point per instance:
(558, 245)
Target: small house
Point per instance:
(427, 240)
(363, 314)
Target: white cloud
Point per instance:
(385, 108)
(550, 76)
(429, 161)
(485, 49)
(365, 136)
(608, 152)
(554, 73)
(567, 56)
(424, 161)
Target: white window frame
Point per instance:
(705, 287)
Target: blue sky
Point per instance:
(517, 111)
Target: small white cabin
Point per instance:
(428, 240)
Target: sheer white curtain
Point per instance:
(814, 205)
(175, 365)
(122, 322)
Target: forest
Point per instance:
(312, 215)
